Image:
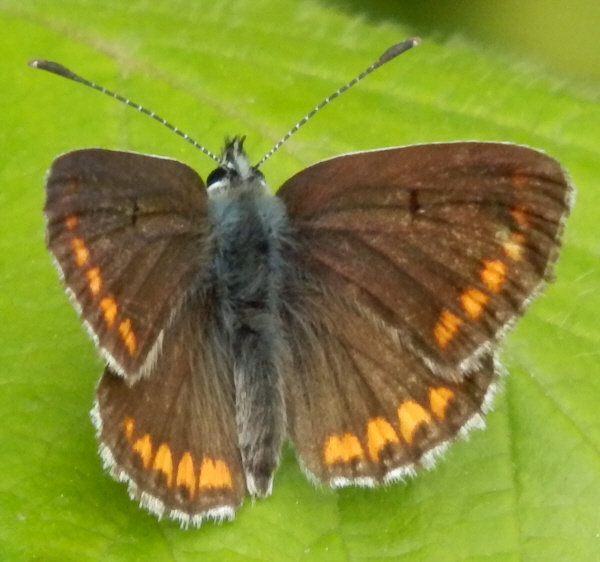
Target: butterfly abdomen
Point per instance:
(249, 231)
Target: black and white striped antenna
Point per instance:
(388, 55)
(60, 70)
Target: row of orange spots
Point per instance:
(211, 473)
(472, 301)
(347, 447)
(513, 247)
(107, 304)
(492, 274)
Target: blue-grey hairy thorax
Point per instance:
(250, 234)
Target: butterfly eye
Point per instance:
(216, 175)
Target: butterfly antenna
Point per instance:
(60, 70)
(390, 54)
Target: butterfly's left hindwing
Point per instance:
(172, 434)
(443, 243)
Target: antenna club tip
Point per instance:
(398, 49)
(54, 68)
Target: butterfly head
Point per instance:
(235, 171)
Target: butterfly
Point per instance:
(357, 311)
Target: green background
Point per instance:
(525, 489)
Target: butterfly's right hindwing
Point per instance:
(363, 409)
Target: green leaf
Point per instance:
(527, 488)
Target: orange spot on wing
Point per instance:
(143, 447)
(164, 462)
(446, 328)
(513, 247)
(473, 302)
(214, 474)
(493, 275)
(80, 251)
(342, 449)
(438, 400)
(520, 216)
(185, 473)
(94, 280)
(109, 310)
(379, 434)
(71, 222)
(128, 336)
(128, 425)
(519, 180)
(411, 415)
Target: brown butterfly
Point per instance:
(356, 311)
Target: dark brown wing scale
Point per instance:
(130, 234)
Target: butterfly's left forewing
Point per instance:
(130, 235)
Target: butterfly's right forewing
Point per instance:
(443, 243)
